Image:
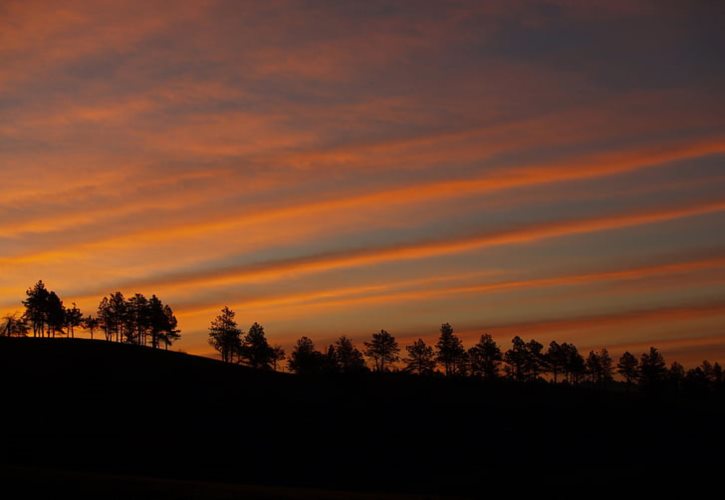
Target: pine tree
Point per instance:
(255, 350)
(382, 349)
(449, 349)
(421, 358)
(224, 335)
(485, 358)
(628, 368)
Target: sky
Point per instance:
(553, 170)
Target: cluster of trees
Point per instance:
(148, 321)
(251, 348)
(136, 320)
(525, 361)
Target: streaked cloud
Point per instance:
(327, 166)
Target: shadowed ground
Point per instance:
(80, 414)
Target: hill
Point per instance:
(78, 408)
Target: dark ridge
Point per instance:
(92, 409)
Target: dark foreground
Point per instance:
(100, 420)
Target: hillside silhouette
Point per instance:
(96, 407)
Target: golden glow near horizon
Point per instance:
(329, 169)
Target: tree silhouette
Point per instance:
(168, 332)
(254, 348)
(462, 366)
(73, 319)
(628, 368)
(143, 321)
(104, 317)
(329, 361)
(90, 323)
(717, 373)
(516, 359)
(136, 319)
(117, 312)
(676, 375)
(556, 359)
(347, 358)
(36, 307)
(605, 366)
(382, 349)
(278, 355)
(161, 324)
(132, 320)
(55, 314)
(224, 335)
(535, 359)
(14, 326)
(599, 367)
(304, 358)
(449, 349)
(525, 360)
(652, 368)
(574, 366)
(421, 358)
(706, 377)
(485, 358)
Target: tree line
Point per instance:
(148, 321)
(525, 361)
(135, 320)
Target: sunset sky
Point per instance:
(554, 170)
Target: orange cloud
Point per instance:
(609, 320)
(603, 165)
(317, 301)
(515, 236)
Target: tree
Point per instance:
(716, 375)
(347, 358)
(169, 333)
(525, 360)
(628, 368)
(695, 379)
(652, 368)
(712, 372)
(421, 358)
(515, 359)
(462, 366)
(382, 349)
(137, 319)
(556, 359)
(224, 335)
(329, 362)
(599, 367)
(255, 349)
(14, 326)
(91, 324)
(36, 306)
(574, 366)
(73, 319)
(605, 366)
(676, 375)
(55, 314)
(305, 359)
(160, 323)
(485, 358)
(535, 359)
(114, 315)
(449, 349)
(105, 320)
(278, 355)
